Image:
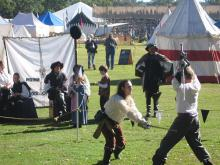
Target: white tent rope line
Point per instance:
(57, 34)
(215, 59)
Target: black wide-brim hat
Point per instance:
(58, 63)
(150, 45)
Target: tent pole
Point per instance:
(6, 54)
(215, 59)
(75, 45)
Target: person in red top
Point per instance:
(104, 86)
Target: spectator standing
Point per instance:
(104, 86)
(91, 47)
(79, 90)
(110, 45)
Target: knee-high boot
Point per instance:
(107, 156)
(158, 160)
(148, 104)
(207, 162)
(117, 152)
(156, 97)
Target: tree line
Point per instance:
(9, 8)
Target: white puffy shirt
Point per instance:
(117, 108)
(190, 104)
(5, 79)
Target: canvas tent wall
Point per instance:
(33, 25)
(56, 25)
(20, 31)
(32, 57)
(6, 30)
(191, 26)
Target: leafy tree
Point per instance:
(54, 5)
(7, 8)
(28, 6)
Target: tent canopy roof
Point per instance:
(20, 31)
(81, 18)
(49, 18)
(27, 19)
(70, 11)
(189, 20)
(3, 21)
(217, 24)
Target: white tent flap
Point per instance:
(32, 57)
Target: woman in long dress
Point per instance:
(79, 91)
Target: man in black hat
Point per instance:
(152, 68)
(56, 81)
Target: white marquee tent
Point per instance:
(191, 26)
(9, 30)
(35, 27)
(162, 21)
(70, 12)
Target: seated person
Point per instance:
(21, 102)
(55, 84)
(5, 85)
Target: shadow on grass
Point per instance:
(15, 121)
(135, 81)
(51, 126)
(98, 163)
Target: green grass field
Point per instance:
(47, 143)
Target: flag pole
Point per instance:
(76, 33)
(77, 116)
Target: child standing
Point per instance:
(104, 86)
